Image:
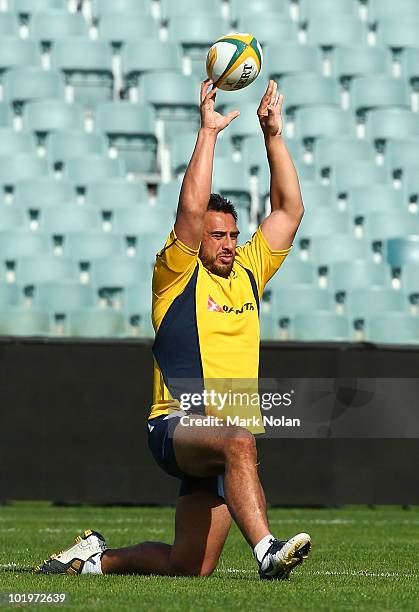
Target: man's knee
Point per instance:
(240, 442)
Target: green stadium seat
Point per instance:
(59, 220)
(297, 299)
(380, 226)
(149, 55)
(137, 299)
(97, 323)
(16, 52)
(19, 242)
(61, 297)
(87, 245)
(147, 247)
(28, 83)
(370, 198)
(356, 173)
(183, 145)
(398, 33)
(42, 192)
(169, 9)
(11, 217)
(356, 60)
(246, 125)
(306, 172)
(26, 8)
(393, 328)
(341, 149)
(44, 116)
(379, 9)
(400, 252)
(87, 65)
(361, 304)
(377, 91)
(410, 280)
(176, 103)
(411, 182)
(117, 273)
(44, 268)
(316, 195)
(293, 272)
(12, 142)
(50, 26)
(309, 90)
(254, 151)
(20, 166)
(141, 219)
(332, 30)
(9, 25)
(268, 327)
(322, 221)
(321, 326)
(89, 168)
(320, 121)
(24, 322)
(6, 115)
(168, 195)
(410, 65)
(130, 128)
(324, 250)
(135, 7)
(268, 27)
(387, 123)
(257, 7)
(65, 144)
(358, 274)
(10, 295)
(285, 58)
(120, 27)
(327, 8)
(232, 182)
(109, 194)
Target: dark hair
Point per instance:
(220, 204)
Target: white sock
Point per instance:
(261, 548)
(93, 565)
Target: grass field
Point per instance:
(363, 559)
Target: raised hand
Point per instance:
(209, 117)
(269, 111)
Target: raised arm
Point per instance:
(280, 226)
(196, 186)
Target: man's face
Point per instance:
(219, 240)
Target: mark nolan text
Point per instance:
(255, 421)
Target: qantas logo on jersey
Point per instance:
(214, 307)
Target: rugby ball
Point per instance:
(234, 61)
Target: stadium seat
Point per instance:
(11, 217)
(254, 151)
(293, 272)
(350, 61)
(331, 30)
(10, 295)
(410, 280)
(317, 121)
(309, 90)
(369, 198)
(97, 323)
(149, 55)
(410, 65)
(120, 27)
(83, 170)
(176, 103)
(42, 192)
(130, 128)
(393, 328)
(380, 226)
(231, 181)
(141, 219)
(269, 27)
(117, 273)
(356, 173)
(44, 268)
(19, 242)
(285, 58)
(387, 123)
(315, 195)
(341, 149)
(268, 326)
(108, 194)
(23, 322)
(20, 166)
(257, 7)
(327, 8)
(322, 221)
(169, 9)
(247, 124)
(85, 246)
(321, 326)
(147, 247)
(9, 25)
(87, 65)
(379, 9)
(102, 7)
(358, 274)
(28, 83)
(65, 144)
(361, 304)
(411, 182)
(370, 92)
(306, 172)
(25, 8)
(168, 195)
(63, 296)
(297, 299)
(184, 144)
(59, 220)
(137, 299)
(44, 116)
(16, 52)
(402, 251)
(50, 26)
(398, 33)
(6, 115)
(324, 250)
(12, 142)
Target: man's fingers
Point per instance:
(211, 95)
(232, 115)
(279, 102)
(204, 88)
(273, 93)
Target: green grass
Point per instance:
(363, 559)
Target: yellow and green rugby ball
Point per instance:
(234, 61)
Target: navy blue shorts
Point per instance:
(160, 442)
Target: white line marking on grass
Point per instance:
(364, 573)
